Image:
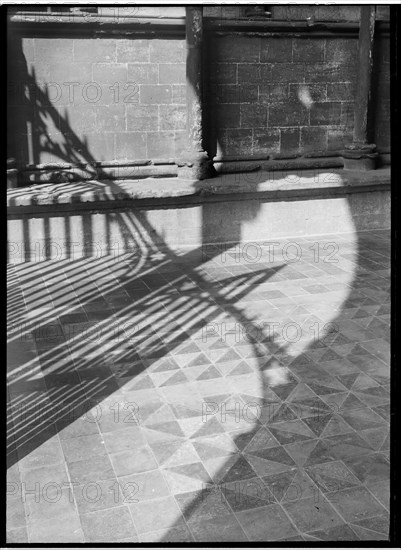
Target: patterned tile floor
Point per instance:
(222, 395)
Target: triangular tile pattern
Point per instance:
(210, 373)
(321, 411)
(239, 471)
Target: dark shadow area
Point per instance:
(32, 116)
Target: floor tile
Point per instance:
(177, 533)
(336, 448)
(369, 468)
(142, 487)
(15, 509)
(41, 506)
(379, 524)
(268, 523)
(97, 495)
(313, 513)
(52, 532)
(204, 504)
(52, 474)
(109, 525)
(186, 477)
(176, 431)
(381, 490)
(368, 534)
(332, 476)
(123, 440)
(357, 503)
(218, 529)
(247, 494)
(83, 447)
(86, 471)
(17, 536)
(162, 513)
(50, 452)
(335, 534)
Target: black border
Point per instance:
(395, 540)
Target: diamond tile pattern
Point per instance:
(199, 396)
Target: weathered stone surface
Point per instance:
(267, 182)
(119, 83)
(263, 201)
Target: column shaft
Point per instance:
(362, 155)
(365, 65)
(194, 162)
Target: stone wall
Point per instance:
(97, 99)
(76, 96)
(285, 96)
(291, 12)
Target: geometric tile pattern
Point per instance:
(200, 396)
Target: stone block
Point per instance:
(155, 95)
(347, 114)
(343, 51)
(290, 140)
(248, 93)
(307, 92)
(172, 73)
(325, 72)
(237, 142)
(161, 145)
(308, 50)
(53, 50)
(265, 142)
(225, 93)
(179, 94)
(276, 50)
(249, 73)
(141, 118)
(101, 146)
(78, 119)
(325, 113)
(130, 145)
(231, 93)
(228, 116)
(172, 117)
(288, 72)
(273, 93)
(313, 139)
(287, 114)
(243, 49)
(70, 72)
(109, 73)
(223, 73)
(143, 73)
(110, 118)
(95, 50)
(132, 50)
(167, 51)
(337, 139)
(340, 91)
(253, 116)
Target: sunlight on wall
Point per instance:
(305, 97)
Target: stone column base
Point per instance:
(12, 178)
(195, 165)
(360, 157)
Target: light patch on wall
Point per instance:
(305, 97)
